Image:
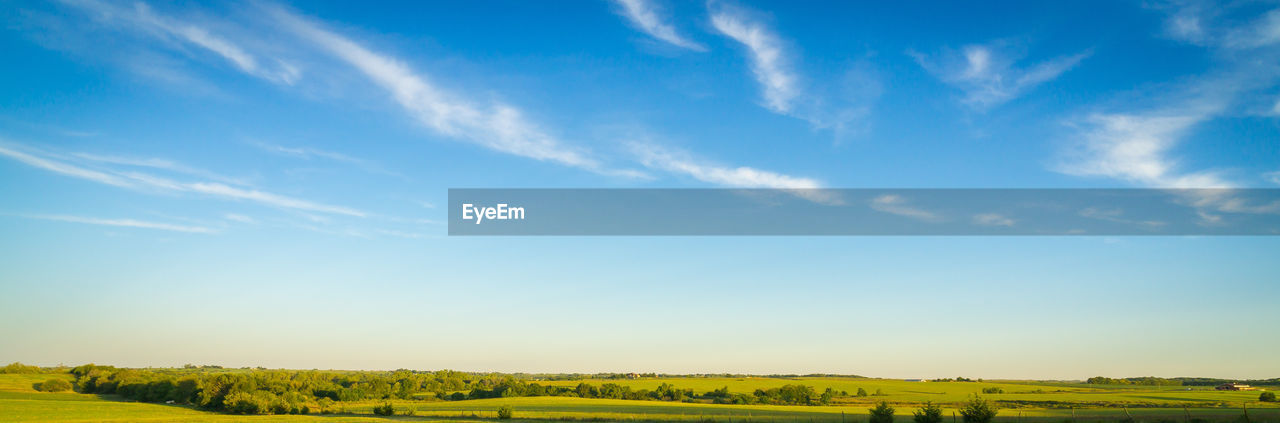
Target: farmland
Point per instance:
(20, 400)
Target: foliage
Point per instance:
(505, 412)
(1267, 397)
(385, 409)
(930, 413)
(993, 390)
(881, 413)
(55, 385)
(861, 392)
(19, 368)
(978, 410)
(1143, 381)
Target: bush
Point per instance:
(384, 410)
(861, 392)
(246, 403)
(930, 413)
(978, 410)
(992, 390)
(59, 385)
(1267, 397)
(881, 413)
(19, 368)
(504, 412)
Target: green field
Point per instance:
(1029, 401)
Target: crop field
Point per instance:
(1022, 401)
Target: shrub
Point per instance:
(385, 409)
(992, 390)
(881, 413)
(504, 412)
(978, 410)
(19, 368)
(1267, 397)
(246, 403)
(930, 413)
(879, 393)
(59, 385)
(861, 392)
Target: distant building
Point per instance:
(632, 376)
(1234, 387)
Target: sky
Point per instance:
(263, 184)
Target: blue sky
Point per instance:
(262, 183)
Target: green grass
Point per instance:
(20, 402)
(903, 392)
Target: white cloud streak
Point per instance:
(143, 19)
(499, 127)
(992, 219)
(644, 14)
(769, 59)
(1272, 177)
(987, 75)
(680, 162)
(157, 163)
(239, 218)
(1135, 148)
(142, 181)
(896, 204)
(131, 223)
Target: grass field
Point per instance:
(1044, 402)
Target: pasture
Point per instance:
(1022, 401)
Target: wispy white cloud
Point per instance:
(1117, 216)
(309, 153)
(1273, 177)
(645, 15)
(769, 59)
(987, 73)
(992, 219)
(683, 163)
(1214, 24)
(142, 19)
(499, 127)
(896, 204)
(838, 102)
(124, 222)
(239, 218)
(144, 181)
(66, 169)
(1136, 149)
(158, 163)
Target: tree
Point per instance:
(826, 396)
(862, 392)
(505, 412)
(978, 410)
(1267, 397)
(930, 413)
(19, 368)
(881, 413)
(59, 385)
(386, 409)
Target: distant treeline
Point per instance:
(254, 391)
(582, 376)
(1176, 381)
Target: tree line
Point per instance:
(254, 391)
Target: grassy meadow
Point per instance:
(20, 401)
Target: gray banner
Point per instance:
(864, 212)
